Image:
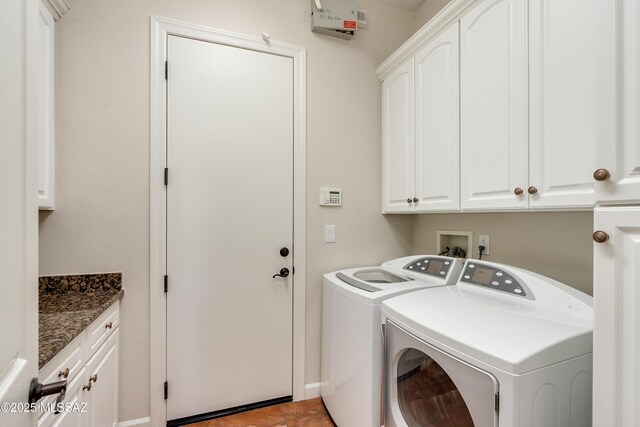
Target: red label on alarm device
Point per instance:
(350, 25)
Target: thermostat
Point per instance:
(330, 196)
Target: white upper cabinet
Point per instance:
(618, 159)
(398, 140)
(493, 76)
(567, 118)
(46, 135)
(437, 139)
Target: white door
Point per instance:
(19, 213)
(437, 147)
(397, 140)
(493, 75)
(566, 118)
(620, 156)
(616, 330)
(229, 213)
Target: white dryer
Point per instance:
(505, 347)
(352, 349)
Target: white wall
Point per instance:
(102, 154)
(426, 11)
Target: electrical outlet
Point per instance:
(483, 240)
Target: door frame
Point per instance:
(161, 28)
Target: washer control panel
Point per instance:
(432, 266)
(493, 278)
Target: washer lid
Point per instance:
(516, 335)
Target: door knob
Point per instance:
(284, 272)
(409, 200)
(415, 200)
(284, 252)
(532, 190)
(518, 191)
(38, 390)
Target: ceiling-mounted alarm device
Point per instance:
(337, 18)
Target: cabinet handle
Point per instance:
(415, 200)
(87, 387)
(518, 191)
(64, 373)
(601, 175)
(600, 236)
(109, 325)
(532, 190)
(409, 200)
(93, 378)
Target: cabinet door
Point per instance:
(616, 333)
(398, 140)
(619, 147)
(46, 136)
(437, 147)
(566, 117)
(493, 75)
(102, 398)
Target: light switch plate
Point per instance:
(329, 233)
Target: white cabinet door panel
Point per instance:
(493, 71)
(619, 149)
(398, 139)
(437, 141)
(566, 117)
(46, 132)
(616, 352)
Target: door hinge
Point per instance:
(166, 283)
(497, 402)
(166, 390)
(166, 176)
(166, 70)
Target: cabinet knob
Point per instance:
(64, 374)
(601, 175)
(409, 200)
(109, 325)
(532, 190)
(518, 191)
(87, 387)
(415, 200)
(93, 378)
(600, 236)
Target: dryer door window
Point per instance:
(427, 396)
(430, 388)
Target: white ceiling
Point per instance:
(410, 5)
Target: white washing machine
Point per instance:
(505, 347)
(352, 349)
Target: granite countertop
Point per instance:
(68, 305)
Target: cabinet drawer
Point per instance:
(74, 389)
(102, 328)
(66, 364)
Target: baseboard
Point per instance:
(311, 391)
(140, 422)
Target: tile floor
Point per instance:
(308, 413)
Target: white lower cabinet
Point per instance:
(616, 329)
(92, 376)
(101, 391)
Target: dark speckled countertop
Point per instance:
(68, 305)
